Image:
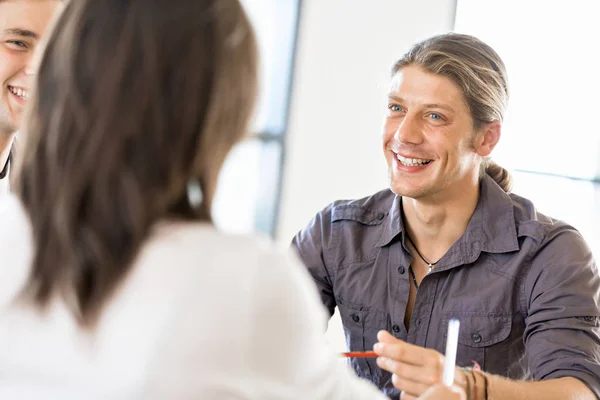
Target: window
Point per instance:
(549, 48)
(550, 51)
(249, 186)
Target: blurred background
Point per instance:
(325, 69)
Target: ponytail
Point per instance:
(502, 177)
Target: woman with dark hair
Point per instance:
(116, 284)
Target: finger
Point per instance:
(442, 392)
(410, 387)
(409, 353)
(420, 374)
(406, 396)
(457, 393)
(386, 337)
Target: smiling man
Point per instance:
(22, 24)
(448, 240)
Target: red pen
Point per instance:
(360, 354)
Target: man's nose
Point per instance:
(32, 63)
(409, 131)
(30, 68)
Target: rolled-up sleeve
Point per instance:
(562, 291)
(311, 244)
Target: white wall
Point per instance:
(345, 52)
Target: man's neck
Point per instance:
(434, 225)
(6, 141)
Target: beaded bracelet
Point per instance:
(485, 382)
(472, 390)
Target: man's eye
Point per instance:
(394, 107)
(18, 43)
(435, 116)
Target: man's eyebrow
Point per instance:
(442, 106)
(22, 33)
(431, 105)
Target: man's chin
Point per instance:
(16, 119)
(413, 192)
(10, 116)
(8, 127)
(404, 191)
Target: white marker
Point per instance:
(450, 359)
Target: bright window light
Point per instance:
(550, 49)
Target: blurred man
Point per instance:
(22, 24)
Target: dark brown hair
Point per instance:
(480, 74)
(134, 100)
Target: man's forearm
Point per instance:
(500, 388)
(417, 368)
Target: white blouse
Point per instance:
(4, 188)
(202, 315)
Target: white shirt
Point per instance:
(201, 316)
(4, 188)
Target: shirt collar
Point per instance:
(498, 227)
(491, 229)
(392, 224)
(4, 171)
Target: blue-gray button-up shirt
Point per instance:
(524, 286)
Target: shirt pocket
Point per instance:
(483, 339)
(360, 329)
(355, 233)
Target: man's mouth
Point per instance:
(19, 92)
(412, 162)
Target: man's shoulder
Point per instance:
(533, 223)
(357, 220)
(347, 231)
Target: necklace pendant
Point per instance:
(430, 268)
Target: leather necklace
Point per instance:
(429, 264)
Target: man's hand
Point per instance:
(415, 369)
(442, 392)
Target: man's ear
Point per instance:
(488, 139)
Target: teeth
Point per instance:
(412, 162)
(20, 92)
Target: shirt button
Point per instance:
(396, 328)
(476, 338)
(401, 270)
(355, 318)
